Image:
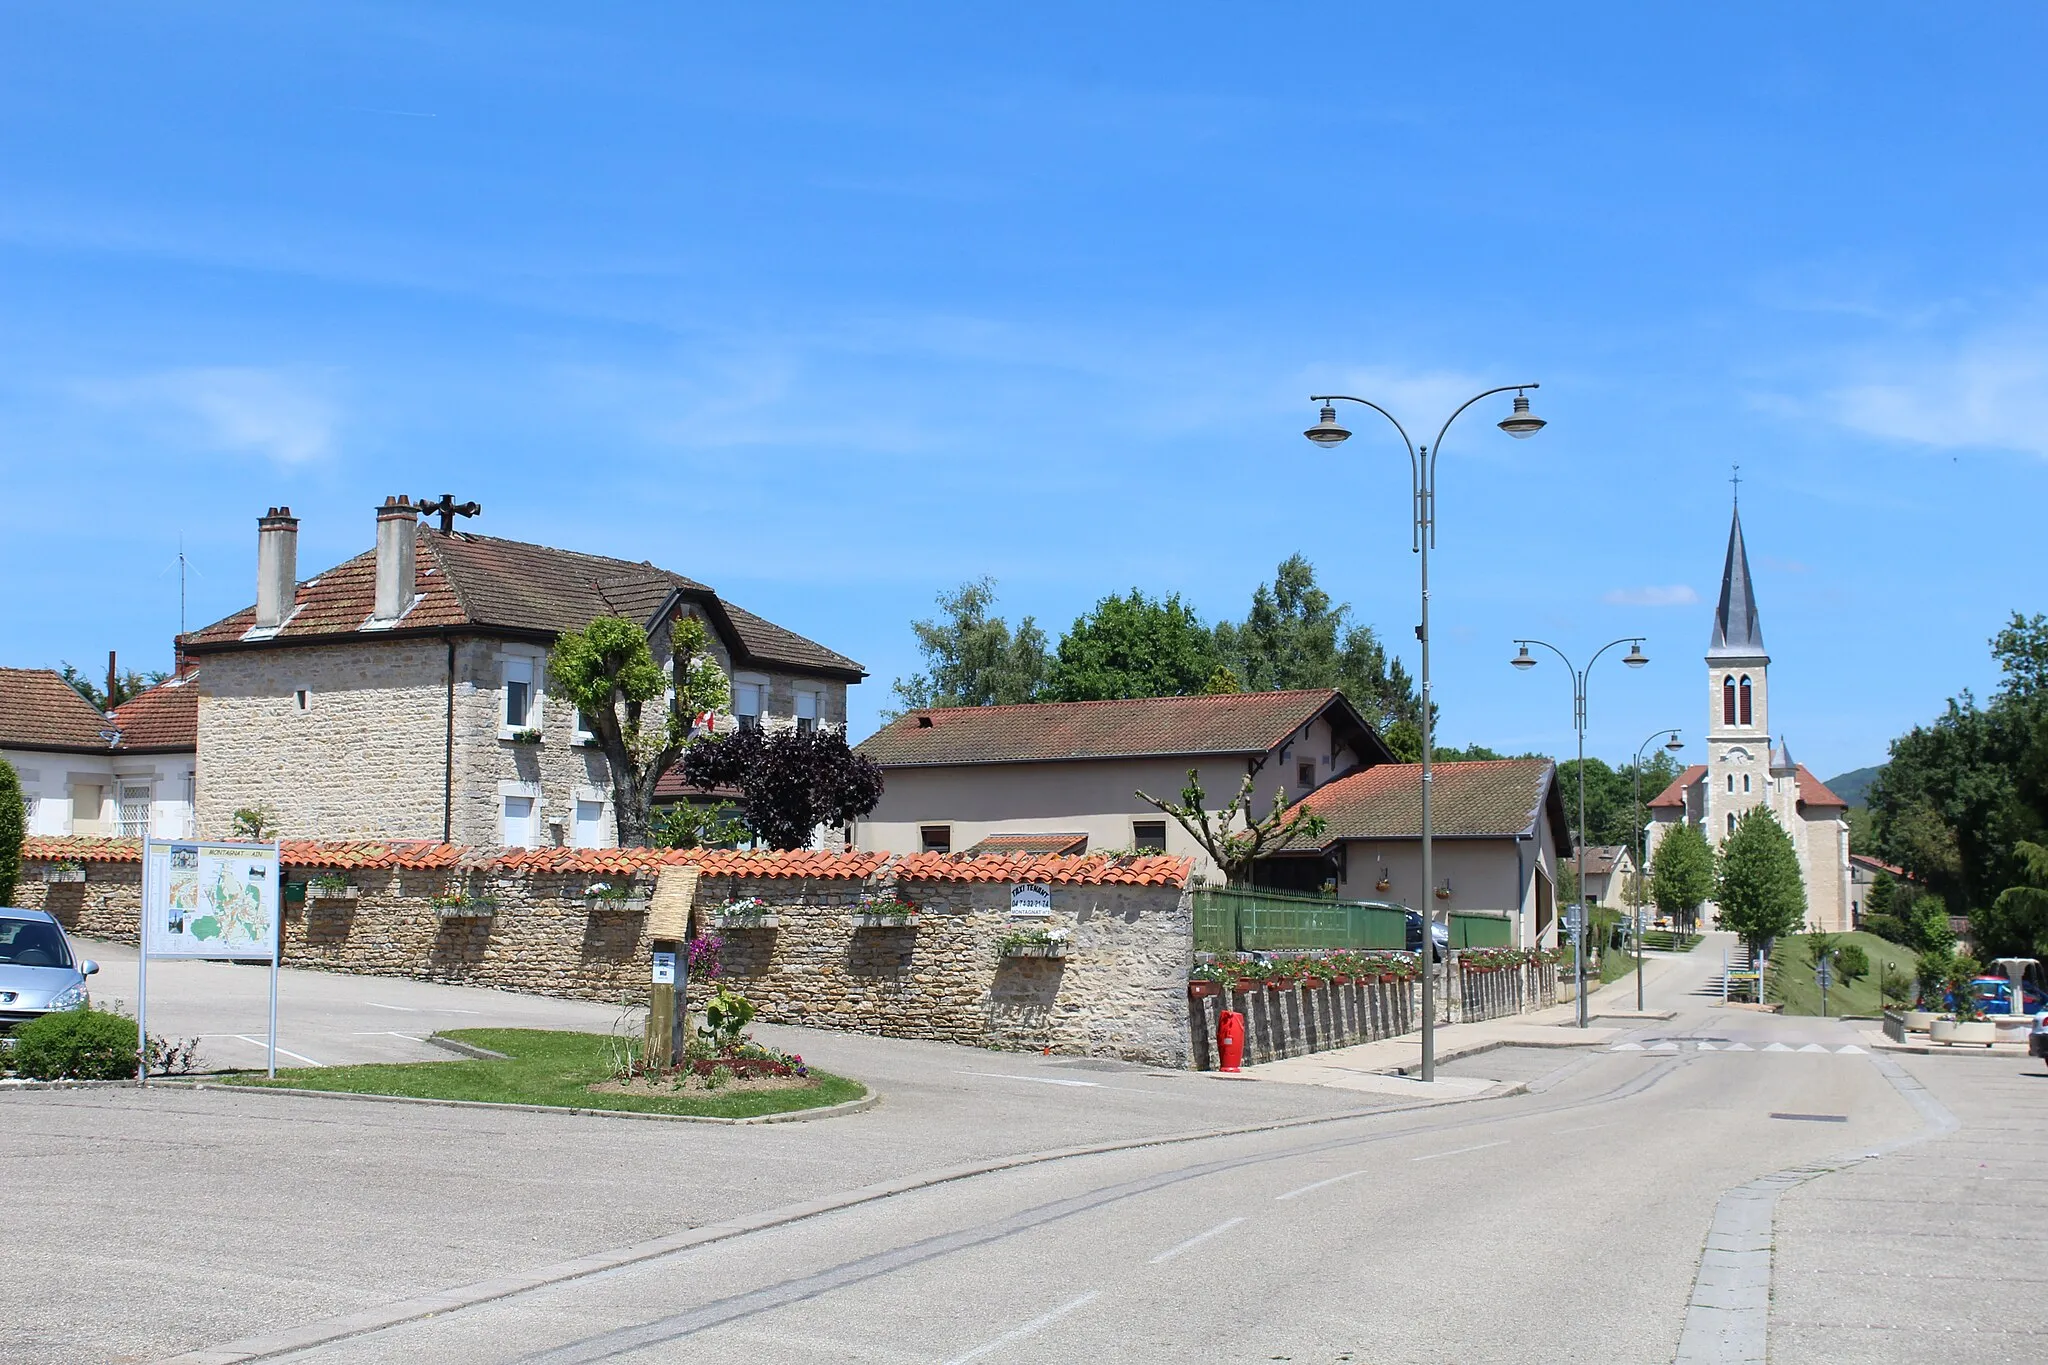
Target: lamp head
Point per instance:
(1326, 432)
(1674, 744)
(1522, 423)
(1523, 660)
(1635, 658)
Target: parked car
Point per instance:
(39, 973)
(1994, 994)
(1440, 932)
(2037, 1041)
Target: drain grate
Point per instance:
(1814, 1118)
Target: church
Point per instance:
(1744, 769)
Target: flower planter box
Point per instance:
(333, 893)
(1919, 1021)
(1313, 983)
(53, 876)
(472, 910)
(746, 921)
(1280, 983)
(1243, 987)
(631, 905)
(885, 921)
(2012, 1028)
(1035, 950)
(1204, 990)
(1974, 1031)
(1340, 980)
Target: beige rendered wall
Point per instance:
(1484, 874)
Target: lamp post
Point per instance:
(1520, 424)
(1634, 659)
(1674, 744)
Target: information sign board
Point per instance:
(1031, 898)
(211, 900)
(664, 969)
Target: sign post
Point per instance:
(1824, 977)
(210, 901)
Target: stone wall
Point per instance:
(1119, 991)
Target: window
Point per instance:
(134, 810)
(1745, 781)
(806, 709)
(1305, 774)
(1728, 700)
(517, 826)
(746, 704)
(85, 804)
(302, 699)
(936, 838)
(589, 831)
(518, 692)
(1148, 836)
(1731, 822)
(1731, 782)
(1745, 701)
(34, 810)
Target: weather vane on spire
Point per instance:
(1735, 478)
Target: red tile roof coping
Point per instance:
(425, 856)
(1674, 795)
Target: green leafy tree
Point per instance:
(1230, 835)
(1136, 646)
(698, 824)
(1757, 884)
(1852, 963)
(2020, 914)
(127, 686)
(1295, 636)
(973, 658)
(609, 672)
(1682, 874)
(13, 829)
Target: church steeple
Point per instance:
(1737, 633)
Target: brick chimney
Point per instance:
(277, 567)
(397, 520)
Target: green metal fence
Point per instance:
(1274, 921)
(1478, 929)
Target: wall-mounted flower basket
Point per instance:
(619, 905)
(727, 919)
(1279, 983)
(1034, 950)
(1382, 885)
(867, 921)
(464, 907)
(55, 875)
(315, 891)
(1313, 983)
(1243, 985)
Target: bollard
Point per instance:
(1230, 1040)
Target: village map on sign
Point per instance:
(213, 900)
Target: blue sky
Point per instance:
(834, 308)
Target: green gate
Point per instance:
(1229, 920)
(1481, 929)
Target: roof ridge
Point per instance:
(462, 603)
(1122, 701)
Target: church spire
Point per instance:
(1737, 633)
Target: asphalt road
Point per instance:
(1568, 1222)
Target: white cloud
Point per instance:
(1677, 595)
(284, 416)
(1984, 393)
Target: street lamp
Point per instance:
(1674, 744)
(1521, 424)
(1635, 658)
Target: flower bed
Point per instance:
(1034, 943)
(884, 912)
(751, 913)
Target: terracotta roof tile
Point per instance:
(1814, 792)
(1600, 859)
(1043, 844)
(166, 717)
(1674, 795)
(1089, 869)
(84, 848)
(1498, 798)
(39, 710)
(1233, 723)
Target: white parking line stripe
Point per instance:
(1459, 1151)
(402, 1009)
(387, 1033)
(1031, 1328)
(1193, 1242)
(282, 1052)
(1042, 1080)
(1587, 1129)
(1318, 1185)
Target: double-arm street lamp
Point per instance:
(1635, 658)
(1521, 424)
(1673, 744)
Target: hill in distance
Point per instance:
(1854, 786)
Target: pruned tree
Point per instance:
(1758, 888)
(609, 673)
(13, 829)
(791, 781)
(1682, 874)
(1229, 835)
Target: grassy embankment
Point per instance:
(551, 1068)
(1791, 979)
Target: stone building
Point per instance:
(1744, 769)
(129, 773)
(1605, 878)
(404, 693)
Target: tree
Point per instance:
(1296, 637)
(2017, 924)
(127, 686)
(1682, 874)
(608, 671)
(1136, 646)
(1757, 882)
(792, 781)
(1611, 808)
(1852, 962)
(692, 824)
(13, 829)
(1234, 848)
(972, 658)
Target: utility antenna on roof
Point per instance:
(184, 566)
(449, 509)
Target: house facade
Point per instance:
(1605, 877)
(1065, 776)
(130, 773)
(404, 693)
(1497, 830)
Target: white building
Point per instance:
(128, 774)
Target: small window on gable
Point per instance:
(1745, 701)
(1148, 836)
(1304, 774)
(518, 692)
(1728, 700)
(302, 699)
(935, 838)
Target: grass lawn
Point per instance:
(547, 1067)
(1792, 976)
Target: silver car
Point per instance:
(38, 971)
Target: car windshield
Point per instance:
(32, 943)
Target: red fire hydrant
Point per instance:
(1230, 1040)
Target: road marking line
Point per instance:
(1291, 1194)
(1031, 1328)
(1777, 1047)
(1740, 1047)
(1459, 1151)
(1813, 1047)
(1042, 1080)
(402, 1009)
(1708, 1047)
(385, 1033)
(1626, 1047)
(1587, 1129)
(1665, 1047)
(1851, 1048)
(1191, 1243)
(283, 1051)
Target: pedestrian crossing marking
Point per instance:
(1710, 1047)
(1777, 1047)
(1813, 1047)
(1628, 1047)
(1740, 1047)
(1852, 1048)
(1674, 1045)
(1665, 1047)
